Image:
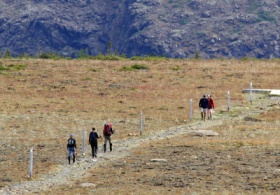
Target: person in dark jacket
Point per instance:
(203, 105)
(93, 136)
(71, 148)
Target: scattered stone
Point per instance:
(203, 133)
(131, 134)
(86, 185)
(158, 160)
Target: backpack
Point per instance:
(71, 143)
(107, 130)
(93, 136)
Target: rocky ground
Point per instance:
(242, 158)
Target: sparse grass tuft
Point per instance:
(134, 67)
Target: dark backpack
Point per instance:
(107, 130)
(93, 136)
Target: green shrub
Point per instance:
(3, 68)
(13, 67)
(49, 55)
(16, 67)
(135, 67)
(148, 58)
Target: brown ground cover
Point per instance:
(46, 100)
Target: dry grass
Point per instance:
(42, 104)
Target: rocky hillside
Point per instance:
(173, 28)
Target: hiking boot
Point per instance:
(104, 147)
(111, 147)
(69, 159)
(74, 159)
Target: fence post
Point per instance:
(83, 142)
(251, 92)
(228, 97)
(31, 162)
(191, 104)
(141, 125)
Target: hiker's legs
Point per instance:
(95, 149)
(74, 155)
(70, 150)
(210, 113)
(201, 112)
(92, 150)
(204, 113)
(109, 139)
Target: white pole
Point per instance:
(141, 125)
(228, 105)
(191, 109)
(83, 144)
(251, 92)
(31, 162)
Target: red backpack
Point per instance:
(106, 130)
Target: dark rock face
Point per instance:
(173, 28)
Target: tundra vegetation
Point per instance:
(44, 100)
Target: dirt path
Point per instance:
(65, 173)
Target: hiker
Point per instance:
(71, 148)
(203, 105)
(93, 136)
(211, 106)
(107, 132)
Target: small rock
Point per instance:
(158, 160)
(86, 185)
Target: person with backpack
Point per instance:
(203, 105)
(107, 132)
(71, 148)
(211, 106)
(93, 136)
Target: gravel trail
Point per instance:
(68, 174)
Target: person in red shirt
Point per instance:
(211, 106)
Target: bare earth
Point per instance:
(48, 100)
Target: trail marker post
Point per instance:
(228, 97)
(31, 162)
(141, 125)
(251, 92)
(83, 142)
(191, 104)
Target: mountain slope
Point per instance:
(173, 28)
